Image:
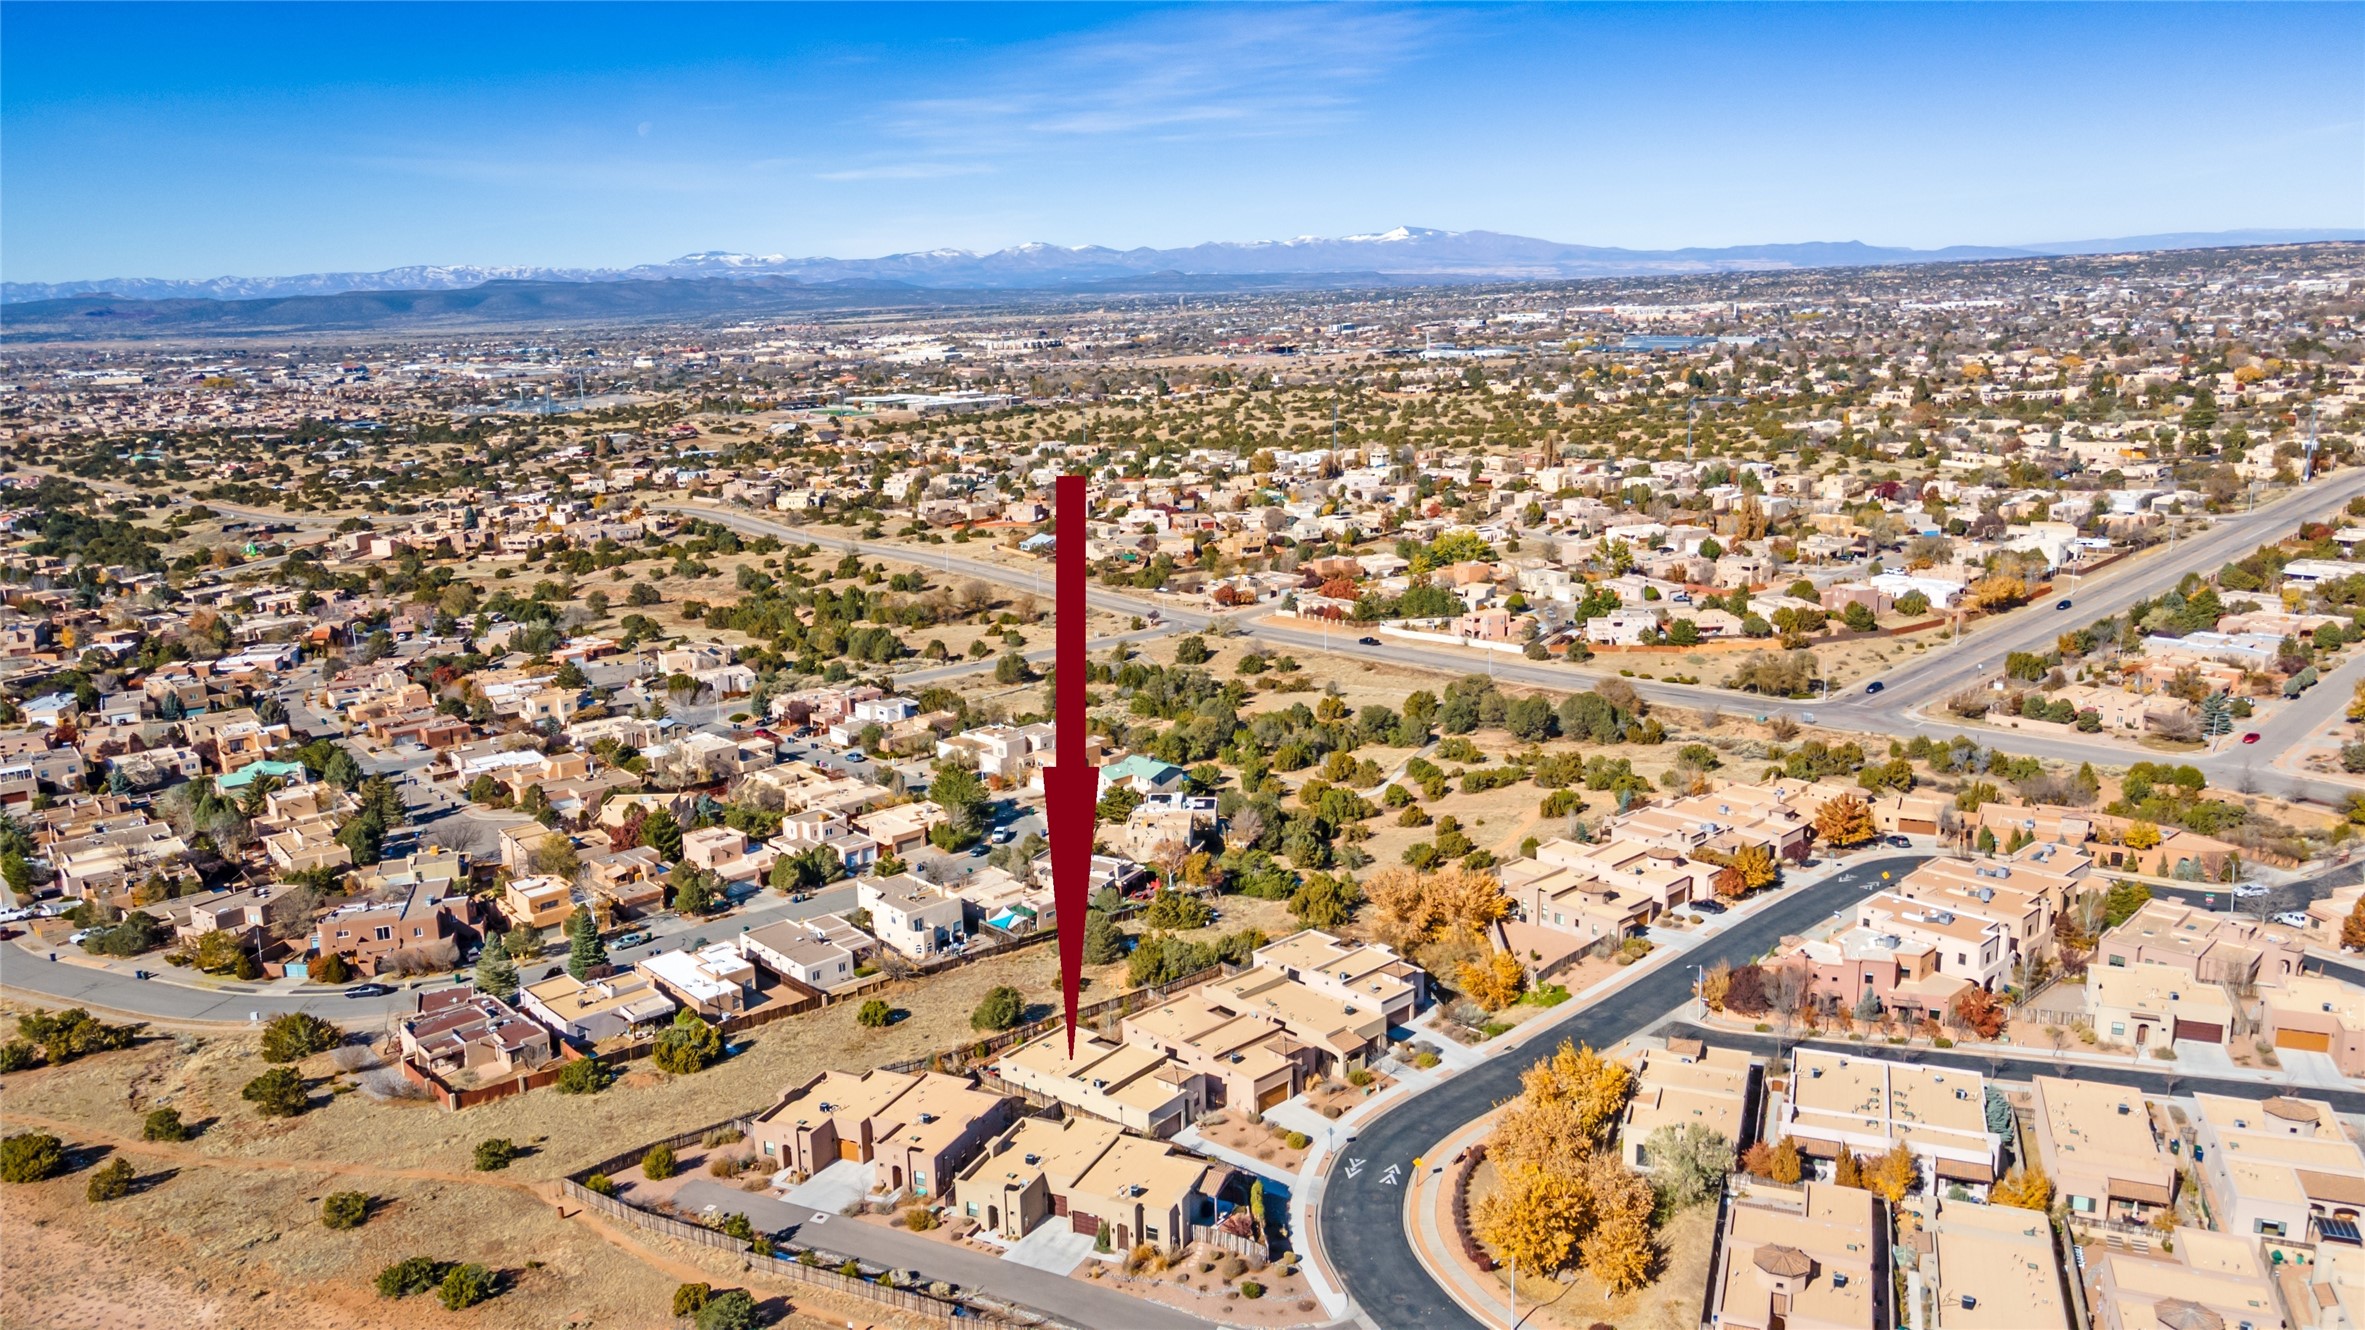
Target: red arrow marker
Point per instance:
(1071, 784)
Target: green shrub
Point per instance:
(875, 1014)
(298, 1035)
(18, 1055)
(690, 1297)
(163, 1124)
(601, 1183)
(1249, 1288)
(110, 1180)
(1296, 1140)
(584, 1076)
(277, 1093)
(415, 1274)
(31, 1156)
(466, 1286)
(495, 1154)
(1002, 1008)
(733, 1309)
(345, 1209)
(658, 1164)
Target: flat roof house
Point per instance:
(625, 1003)
(917, 918)
(2209, 1281)
(715, 980)
(1350, 971)
(1132, 1085)
(2313, 1013)
(1090, 1176)
(919, 1129)
(2102, 1149)
(794, 949)
(1688, 1082)
(1814, 1259)
(1869, 1105)
(459, 1030)
(2277, 1167)
(1996, 1268)
(2147, 1004)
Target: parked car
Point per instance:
(854, 756)
(1002, 835)
(2292, 919)
(632, 939)
(1707, 907)
(2249, 890)
(369, 990)
(74, 939)
(16, 916)
(1901, 842)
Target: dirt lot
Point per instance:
(176, 1245)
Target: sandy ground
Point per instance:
(227, 1225)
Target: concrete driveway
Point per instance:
(834, 1188)
(1055, 1247)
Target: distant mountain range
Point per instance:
(1404, 254)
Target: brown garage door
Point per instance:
(1272, 1096)
(850, 1150)
(2201, 1030)
(1088, 1225)
(2304, 1040)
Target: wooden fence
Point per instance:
(937, 1310)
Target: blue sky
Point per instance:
(190, 140)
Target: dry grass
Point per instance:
(231, 1223)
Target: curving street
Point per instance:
(1362, 1230)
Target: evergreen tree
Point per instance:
(584, 948)
(496, 973)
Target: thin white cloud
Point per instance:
(1193, 74)
(905, 171)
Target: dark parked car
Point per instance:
(1707, 907)
(369, 990)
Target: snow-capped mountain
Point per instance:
(1401, 253)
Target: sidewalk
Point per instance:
(1429, 1219)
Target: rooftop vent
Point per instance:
(1034, 1159)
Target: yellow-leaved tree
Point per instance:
(2025, 1187)
(1496, 982)
(1531, 1219)
(1413, 908)
(1895, 1174)
(1844, 822)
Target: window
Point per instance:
(2082, 1204)
(2272, 1228)
(2119, 961)
(385, 934)
(1149, 1232)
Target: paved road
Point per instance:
(171, 1000)
(1074, 1301)
(1362, 1216)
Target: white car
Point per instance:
(75, 939)
(2248, 890)
(2292, 919)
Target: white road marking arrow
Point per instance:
(1354, 1167)
(1391, 1175)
